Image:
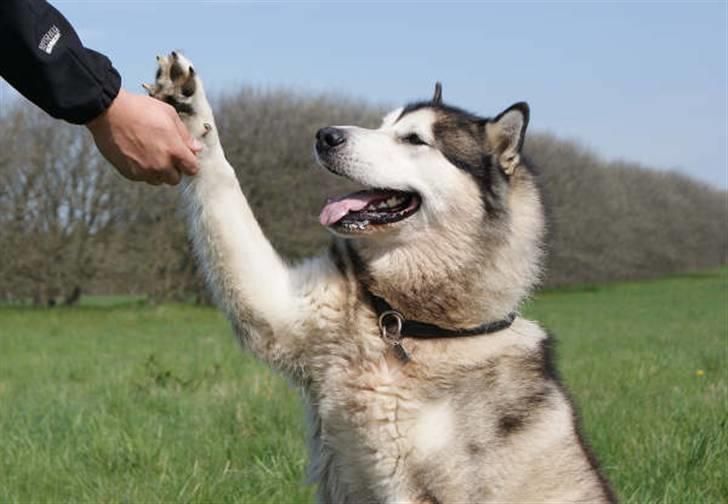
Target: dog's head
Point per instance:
(427, 164)
(450, 223)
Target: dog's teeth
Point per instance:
(391, 202)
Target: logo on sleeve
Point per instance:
(50, 39)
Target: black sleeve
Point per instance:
(42, 57)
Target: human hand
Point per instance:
(145, 140)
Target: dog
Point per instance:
(422, 382)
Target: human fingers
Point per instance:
(191, 142)
(185, 160)
(172, 176)
(155, 177)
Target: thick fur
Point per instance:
(477, 419)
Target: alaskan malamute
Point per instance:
(423, 382)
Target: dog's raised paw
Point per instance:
(176, 83)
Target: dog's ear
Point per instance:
(505, 135)
(437, 97)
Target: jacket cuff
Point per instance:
(109, 88)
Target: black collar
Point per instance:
(393, 322)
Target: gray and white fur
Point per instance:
(472, 419)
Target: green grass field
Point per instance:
(135, 403)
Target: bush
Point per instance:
(70, 224)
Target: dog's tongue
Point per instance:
(335, 210)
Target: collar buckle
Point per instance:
(390, 326)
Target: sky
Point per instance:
(637, 81)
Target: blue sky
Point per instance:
(644, 82)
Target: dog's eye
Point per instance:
(414, 139)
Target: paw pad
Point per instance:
(175, 83)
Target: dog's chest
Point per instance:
(382, 425)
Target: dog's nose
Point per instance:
(328, 138)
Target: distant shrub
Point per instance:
(618, 220)
(70, 224)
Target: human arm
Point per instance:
(44, 59)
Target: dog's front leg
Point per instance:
(248, 279)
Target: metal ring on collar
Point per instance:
(383, 322)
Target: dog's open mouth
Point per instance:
(361, 210)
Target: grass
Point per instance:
(136, 403)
